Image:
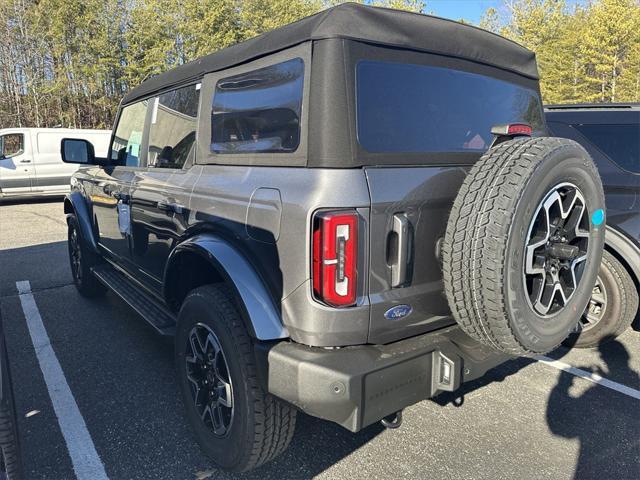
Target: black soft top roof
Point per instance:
(364, 23)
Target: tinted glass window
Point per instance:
(259, 111)
(174, 122)
(12, 144)
(621, 143)
(407, 108)
(128, 137)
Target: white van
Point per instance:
(30, 163)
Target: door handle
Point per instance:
(26, 160)
(170, 207)
(400, 247)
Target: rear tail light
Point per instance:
(335, 254)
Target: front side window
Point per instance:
(621, 143)
(259, 111)
(407, 108)
(12, 144)
(125, 150)
(174, 122)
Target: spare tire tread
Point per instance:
(476, 238)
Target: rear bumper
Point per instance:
(357, 386)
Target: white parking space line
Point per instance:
(592, 377)
(86, 462)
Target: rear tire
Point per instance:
(81, 261)
(257, 427)
(612, 308)
(523, 244)
(11, 463)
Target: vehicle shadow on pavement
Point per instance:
(606, 448)
(316, 446)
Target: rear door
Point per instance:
(442, 118)
(16, 163)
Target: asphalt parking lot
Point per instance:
(526, 419)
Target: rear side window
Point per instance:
(259, 111)
(174, 121)
(125, 149)
(406, 108)
(12, 144)
(621, 143)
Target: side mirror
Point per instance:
(77, 150)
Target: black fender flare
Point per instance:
(75, 204)
(262, 317)
(625, 248)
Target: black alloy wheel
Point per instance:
(208, 374)
(75, 255)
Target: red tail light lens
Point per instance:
(335, 254)
(519, 129)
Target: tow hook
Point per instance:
(392, 421)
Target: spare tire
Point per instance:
(523, 244)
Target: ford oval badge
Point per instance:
(398, 312)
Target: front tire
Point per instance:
(612, 307)
(81, 261)
(236, 423)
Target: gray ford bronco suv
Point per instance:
(343, 216)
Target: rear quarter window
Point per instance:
(258, 111)
(407, 108)
(621, 143)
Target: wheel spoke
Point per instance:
(575, 264)
(598, 297)
(211, 343)
(545, 300)
(207, 414)
(217, 418)
(224, 394)
(196, 347)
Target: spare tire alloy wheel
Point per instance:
(556, 250)
(523, 244)
(208, 374)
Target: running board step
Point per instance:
(144, 304)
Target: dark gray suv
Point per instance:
(343, 216)
(611, 135)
